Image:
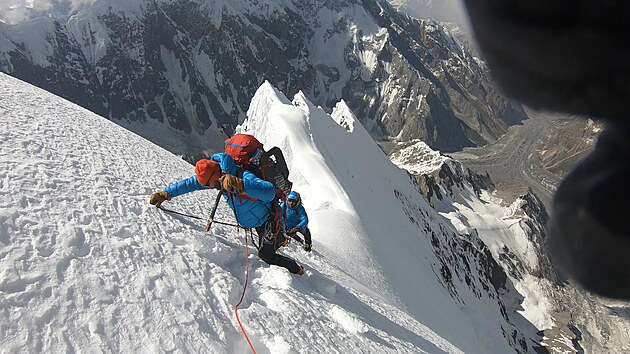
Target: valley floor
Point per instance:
(513, 162)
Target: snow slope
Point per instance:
(87, 265)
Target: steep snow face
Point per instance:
(87, 265)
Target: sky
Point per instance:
(86, 264)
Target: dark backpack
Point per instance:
(270, 165)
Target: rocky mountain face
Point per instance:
(452, 181)
(443, 10)
(577, 321)
(467, 266)
(177, 71)
(462, 196)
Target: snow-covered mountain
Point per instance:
(174, 71)
(87, 265)
(514, 234)
(571, 319)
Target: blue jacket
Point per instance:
(295, 216)
(251, 212)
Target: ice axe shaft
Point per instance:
(214, 210)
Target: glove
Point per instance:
(307, 246)
(158, 197)
(230, 183)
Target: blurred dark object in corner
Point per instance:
(573, 57)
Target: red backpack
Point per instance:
(248, 153)
(245, 149)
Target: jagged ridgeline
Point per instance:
(175, 71)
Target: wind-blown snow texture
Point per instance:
(87, 265)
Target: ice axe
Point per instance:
(214, 210)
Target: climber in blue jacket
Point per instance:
(297, 219)
(249, 197)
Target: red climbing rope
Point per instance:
(243, 294)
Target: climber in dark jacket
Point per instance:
(249, 197)
(297, 219)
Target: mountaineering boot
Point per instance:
(296, 237)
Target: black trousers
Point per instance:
(269, 242)
(307, 234)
